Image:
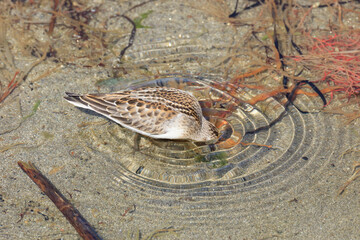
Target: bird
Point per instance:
(155, 112)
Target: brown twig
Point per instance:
(80, 224)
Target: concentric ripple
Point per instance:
(217, 177)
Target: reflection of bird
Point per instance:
(156, 112)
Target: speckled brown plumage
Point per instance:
(156, 112)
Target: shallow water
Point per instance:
(288, 191)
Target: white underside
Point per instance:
(174, 131)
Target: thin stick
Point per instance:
(53, 18)
(80, 224)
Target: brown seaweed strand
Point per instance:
(131, 39)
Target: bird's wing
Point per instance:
(138, 114)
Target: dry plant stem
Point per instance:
(350, 116)
(53, 18)
(47, 73)
(356, 174)
(266, 95)
(24, 74)
(138, 5)
(7, 59)
(6, 148)
(84, 229)
(160, 232)
(73, 22)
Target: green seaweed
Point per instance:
(142, 17)
(213, 160)
(266, 37)
(47, 135)
(200, 158)
(34, 109)
(218, 163)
